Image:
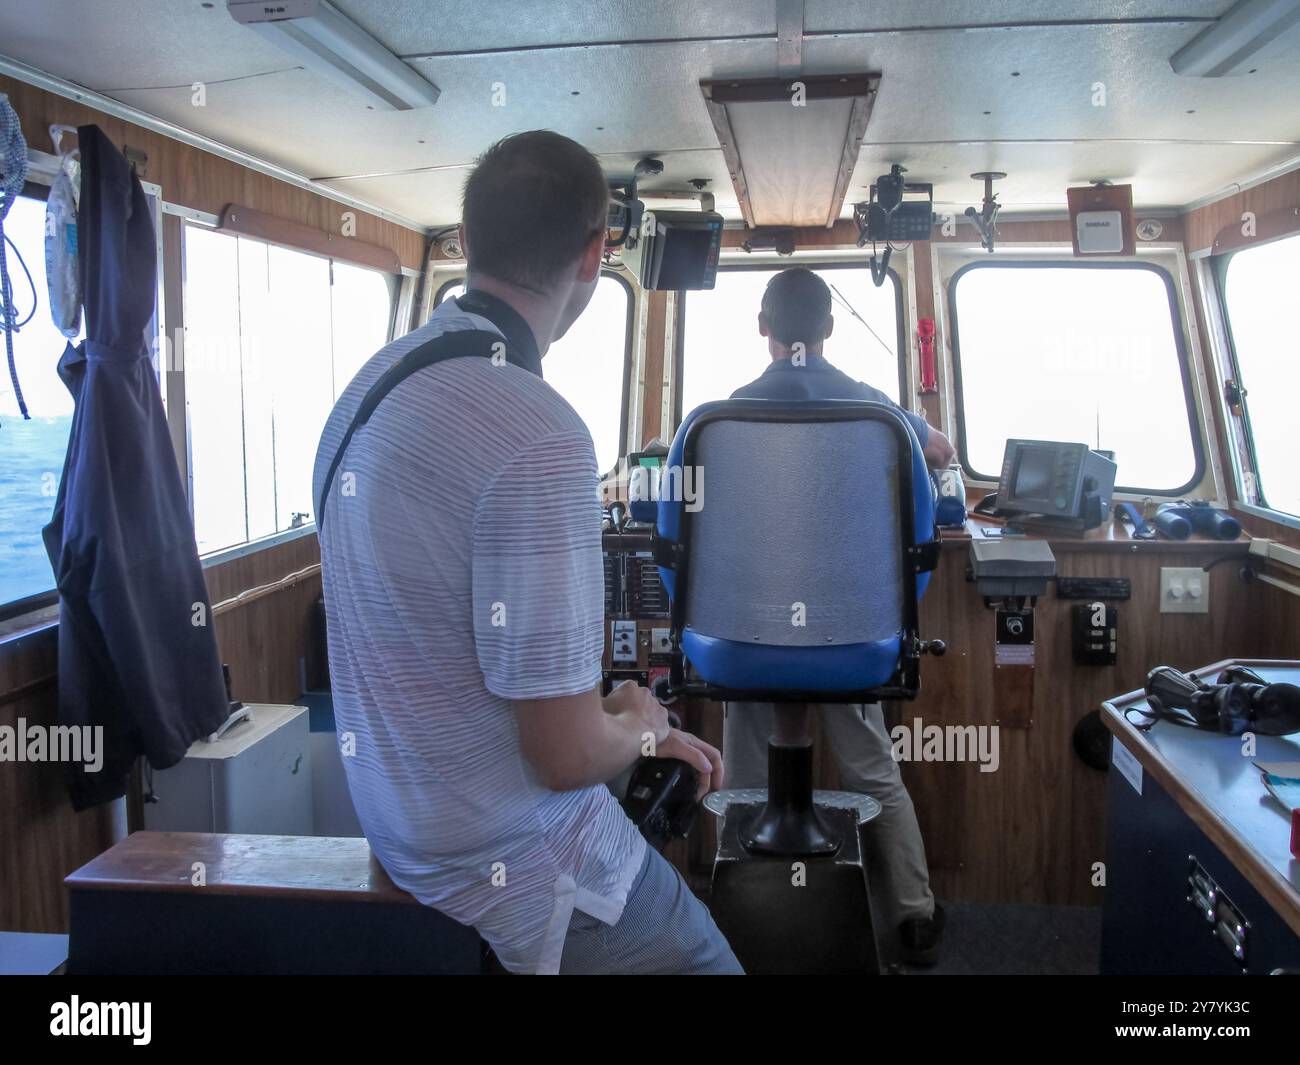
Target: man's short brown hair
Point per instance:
(532, 204)
(797, 304)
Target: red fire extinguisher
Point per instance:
(925, 334)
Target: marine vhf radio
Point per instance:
(887, 218)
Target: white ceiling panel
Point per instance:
(937, 87)
(896, 14)
(421, 27)
(1176, 139)
(111, 44)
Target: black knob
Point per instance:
(934, 647)
(660, 690)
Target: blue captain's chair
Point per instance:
(794, 540)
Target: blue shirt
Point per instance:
(818, 379)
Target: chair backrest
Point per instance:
(795, 569)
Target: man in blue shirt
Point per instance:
(796, 320)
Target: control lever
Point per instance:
(659, 689)
(660, 799)
(660, 795)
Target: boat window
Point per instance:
(1258, 286)
(585, 366)
(1087, 352)
(32, 449)
(721, 349)
(272, 337)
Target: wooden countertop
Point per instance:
(1220, 789)
(304, 867)
(1109, 536)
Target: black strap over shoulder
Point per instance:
(457, 344)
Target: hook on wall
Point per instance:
(57, 133)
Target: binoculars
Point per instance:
(1178, 520)
(1241, 701)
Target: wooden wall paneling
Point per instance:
(923, 279)
(268, 642)
(656, 356)
(1203, 224)
(1279, 620)
(264, 225)
(1030, 831)
(41, 838)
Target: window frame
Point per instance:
(679, 324)
(393, 282)
(629, 339)
(1180, 347)
(14, 608)
(1247, 458)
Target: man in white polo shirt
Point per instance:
(460, 551)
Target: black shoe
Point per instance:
(920, 939)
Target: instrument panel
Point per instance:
(636, 610)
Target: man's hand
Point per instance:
(639, 705)
(694, 752)
(938, 450)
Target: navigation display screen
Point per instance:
(1034, 473)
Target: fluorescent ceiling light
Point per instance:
(791, 144)
(328, 43)
(1230, 44)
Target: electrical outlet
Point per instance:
(1184, 591)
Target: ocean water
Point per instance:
(31, 460)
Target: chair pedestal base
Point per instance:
(794, 915)
(789, 824)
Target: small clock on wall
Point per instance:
(1149, 229)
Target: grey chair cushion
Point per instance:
(796, 513)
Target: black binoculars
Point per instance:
(1241, 701)
(1178, 520)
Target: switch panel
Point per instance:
(660, 642)
(623, 642)
(1184, 591)
(1096, 634)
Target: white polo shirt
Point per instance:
(462, 570)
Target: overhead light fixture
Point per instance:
(791, 144)
(1230, 44)
(328, 43)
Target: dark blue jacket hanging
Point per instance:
(137, 651)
